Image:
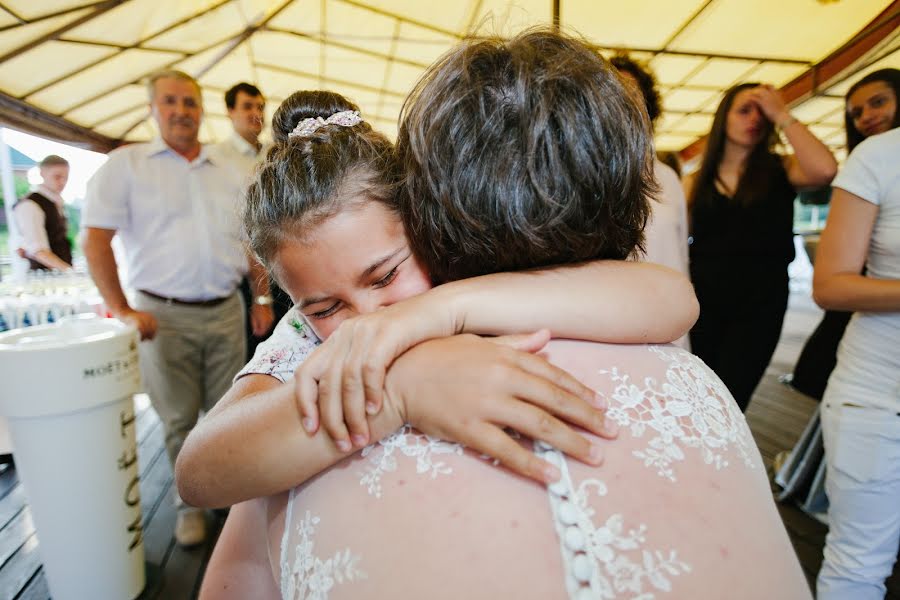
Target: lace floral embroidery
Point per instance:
(690, 409)
(406, 442)
(598, 561)
(312, 578)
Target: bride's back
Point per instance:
(681, 508)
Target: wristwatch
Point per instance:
(263, 300)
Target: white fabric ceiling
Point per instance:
(85, 61)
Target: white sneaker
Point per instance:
(190, 526)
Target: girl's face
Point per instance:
(872, 108)
(352, 263)
(745, 123)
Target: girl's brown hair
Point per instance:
(307, 179)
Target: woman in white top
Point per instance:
(861, 406)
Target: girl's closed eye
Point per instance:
(391, 275)
(387, 279)
(322, 314)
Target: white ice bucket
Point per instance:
(67, 390)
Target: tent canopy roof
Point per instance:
(74, 68)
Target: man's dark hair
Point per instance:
(645, 80)
(247, 88)
(522, 153)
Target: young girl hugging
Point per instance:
(323, 215)
(515, 154)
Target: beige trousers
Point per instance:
(190, 363)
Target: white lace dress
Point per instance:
(681, 507)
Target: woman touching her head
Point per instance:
(741, 207)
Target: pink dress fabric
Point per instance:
(681, 508)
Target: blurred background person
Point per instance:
(671, 160)
(741, 205)
(41, 219)
(861, 406)
(246, 106)
(871, 108)
(666, 232)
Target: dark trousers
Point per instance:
(742, 309)
(819, 354)
(281, 303)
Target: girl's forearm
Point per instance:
(605, 301)
(254, 445)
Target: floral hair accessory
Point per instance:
(345, 118)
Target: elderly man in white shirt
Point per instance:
(41, 219)
(173, 204)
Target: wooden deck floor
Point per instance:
(173, 573)
(777, 415)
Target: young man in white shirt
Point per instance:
(246, 107)
(41, 219)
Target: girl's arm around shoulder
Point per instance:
(252, 444)
(610, 301)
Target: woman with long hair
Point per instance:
(741, 204)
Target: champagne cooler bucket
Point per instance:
(67, 392)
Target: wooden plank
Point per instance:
(37, 588)
(18, 533)
(15, 534)
(20, 569)
(10, 506)
(8, 479)
(185, 566)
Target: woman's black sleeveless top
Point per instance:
(762, 231)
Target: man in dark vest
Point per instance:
(41, 219)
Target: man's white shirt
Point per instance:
(179, 220)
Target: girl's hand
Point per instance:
(342, 380)
(467, 389)
(770, 103)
